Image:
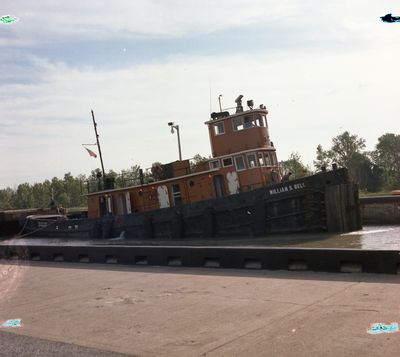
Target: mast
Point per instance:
(98, 145)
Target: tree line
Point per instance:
(374, 171)
(66, 192)
(377, 170)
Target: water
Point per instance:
(370, 237)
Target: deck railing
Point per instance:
(123, 180)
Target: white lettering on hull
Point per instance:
(287, 188)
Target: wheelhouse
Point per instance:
(243, 159)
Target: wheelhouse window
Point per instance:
(214, 164)
(260, 120)
(219, 128)
(267, 159)
(251, 160)
(227, 162)
(274, 159)
(248, 122)
(261, 159)
(237, 124)
(239, 162)
(270, 159)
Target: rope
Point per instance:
(18, 235)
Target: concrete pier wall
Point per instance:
(328, 260)
(380, 210)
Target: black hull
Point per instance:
(323, 202)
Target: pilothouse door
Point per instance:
(219, 185)
(102, 206)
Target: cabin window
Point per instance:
(239, 161)
(219, 128)
(267, 159)
(176, 194)
(248, 122)
(261, 159)
(102, 206)
(251, 160)
(214, 164)
(109, 204)
(274, 159)
(260, 120)
(243, 123)
(227, 162)
(237, 124)
(121, 204)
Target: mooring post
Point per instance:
(335, 208)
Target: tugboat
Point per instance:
(239, 191)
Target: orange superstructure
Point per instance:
(243, 159)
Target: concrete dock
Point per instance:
(165, 311)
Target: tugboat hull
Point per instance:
(326, 201)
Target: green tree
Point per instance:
(7, 198)
(24, 197)
(387, 157)
(347, 151)
(295, 165)
(131, 176)
(197, 162)
(96, 173)
(73, 190)
(323, 158)
(365, 173)
(57, 188)
(344, 147)
(41, 194)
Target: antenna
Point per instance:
(98, 146)
(210, 97)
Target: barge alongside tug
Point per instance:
(239, 191)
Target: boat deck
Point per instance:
(164, 311)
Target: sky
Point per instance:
(320, 68)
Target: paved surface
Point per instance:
(152, 311)
(13, 345)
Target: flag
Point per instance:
(91, 153)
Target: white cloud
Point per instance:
(310, 99)
(75, 20)
(346, 80)
(100, 19)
